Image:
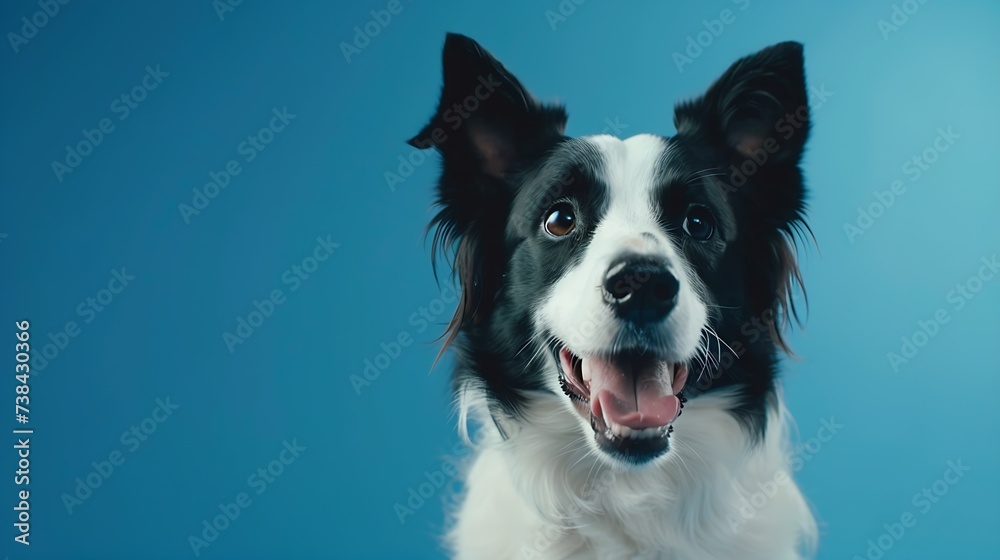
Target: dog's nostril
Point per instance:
(620, 290)
(665, 290)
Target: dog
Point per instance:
(621, 317)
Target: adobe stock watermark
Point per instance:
(365, 33)
(131, 440)
(419, 320)
(293, 277)
(784, 129)
(913, 168)
(716, 363)
(31, 25)
(753, 501)
(614, 127)
(249, 148)
(959, 297)
(563, 11)
(549, 533)
(697, 44)
(87, 309)
(258, 481)
(122, 106)
(415, 157)
(900, 15)
(923, 501)
(225, 7)
(453, 116)
(431, 482)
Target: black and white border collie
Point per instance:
(608, 286)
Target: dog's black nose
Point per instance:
(642, 290)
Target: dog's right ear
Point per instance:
(486, 127)
(485, 112)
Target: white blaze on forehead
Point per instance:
(630, 172)
(575, 310)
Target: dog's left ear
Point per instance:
(756, 109)
(486, 127)
(755, 120)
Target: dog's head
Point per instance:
(615, 271)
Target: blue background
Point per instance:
(323, 175)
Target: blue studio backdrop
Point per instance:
(214, 228)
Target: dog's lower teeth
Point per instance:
(648, 433)
(624, 432)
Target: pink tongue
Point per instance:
(638, 396)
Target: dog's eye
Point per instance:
(561, 220)
(699, 222)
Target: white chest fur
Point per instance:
(542, 493)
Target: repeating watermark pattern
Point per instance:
(913, 168)
(31, 25)
(922, 501)
(249, 149)
(364, 34)
(753, 501)
(927, 329)
(435, 479)
(122, 106)
(293, 277)
(900, 15)
(258, 481)
(225, 7)
(698, 43)
(131, 440)
(453, 116)
(419, 320)
(563, 11)
(87, 309)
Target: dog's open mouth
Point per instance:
(631, 398)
